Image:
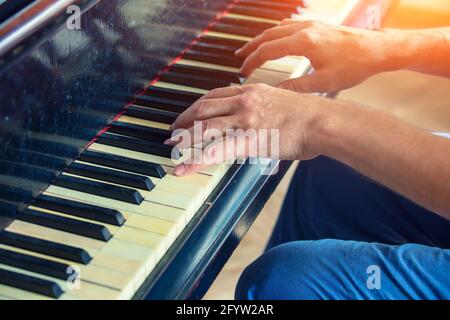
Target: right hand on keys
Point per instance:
(342, 57)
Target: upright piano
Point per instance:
(89, 207)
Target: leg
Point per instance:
(328, 200)
(336, 269)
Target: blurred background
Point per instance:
(420, 99)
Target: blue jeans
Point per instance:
(342, 236)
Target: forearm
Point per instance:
(426, 50)
(406, 159)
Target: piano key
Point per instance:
(86, 290)
(194, 81)
(214, 170)
(134, 144)
(162, 103)
(95, 247)
(162, 233)
(213, 48)
(27, 262)
(11, 293)
(233, 62)
(219, 41)
(233, 29)
(287, 6)
(86, 229)
(260, 12)
(45, 247)
(230, 77)
(144, 122)
(155, 115)
(146, 209)
(123, 163)
(93, 273)
(113, 176)
(145, 223)
(29, 283)
(177, 95)
(79, 209)
(101, 189)
(256, 25)
(162, 84)
(199, 64)
(141, 132)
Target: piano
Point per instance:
(89, 207)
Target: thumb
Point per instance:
(312, 83)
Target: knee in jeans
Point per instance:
(284, 272)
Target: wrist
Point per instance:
(410, 49)
(327, 130)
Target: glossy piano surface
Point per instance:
(59, 87)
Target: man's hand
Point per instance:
(253, 107)
(342, 57)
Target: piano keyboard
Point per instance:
(116, 210)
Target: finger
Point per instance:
(313, 83)
(203, 131)
(220, 151)
(268, 35)
(205, 109)
(269, 51)
(223, 92)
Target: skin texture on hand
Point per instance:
(254, 107)
(343, 57)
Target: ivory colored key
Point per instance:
(85, 290)
(91, 273)
(146, 208)
(136, 257)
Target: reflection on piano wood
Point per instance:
(117, 214)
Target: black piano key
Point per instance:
(79, 209)
(260, 12)
(162, 103)
(100, 189)
(287, 6)
(34, 264)
(218, 59)
(233, 29)
(123, 163)
(227, 76)
(234, 43)
(167, 117)
(123, 178)
(134, 144)
(255, 25)
(49, 248)
(141, 132)
(29, 283)
(173, 94)
(193, 81)
(213, 48)
(81, 228)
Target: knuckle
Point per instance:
(201, 108)
(250, 120)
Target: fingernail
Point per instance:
(238, 51)
(168, 141)
(179, 170)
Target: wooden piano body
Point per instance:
(60, 87)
